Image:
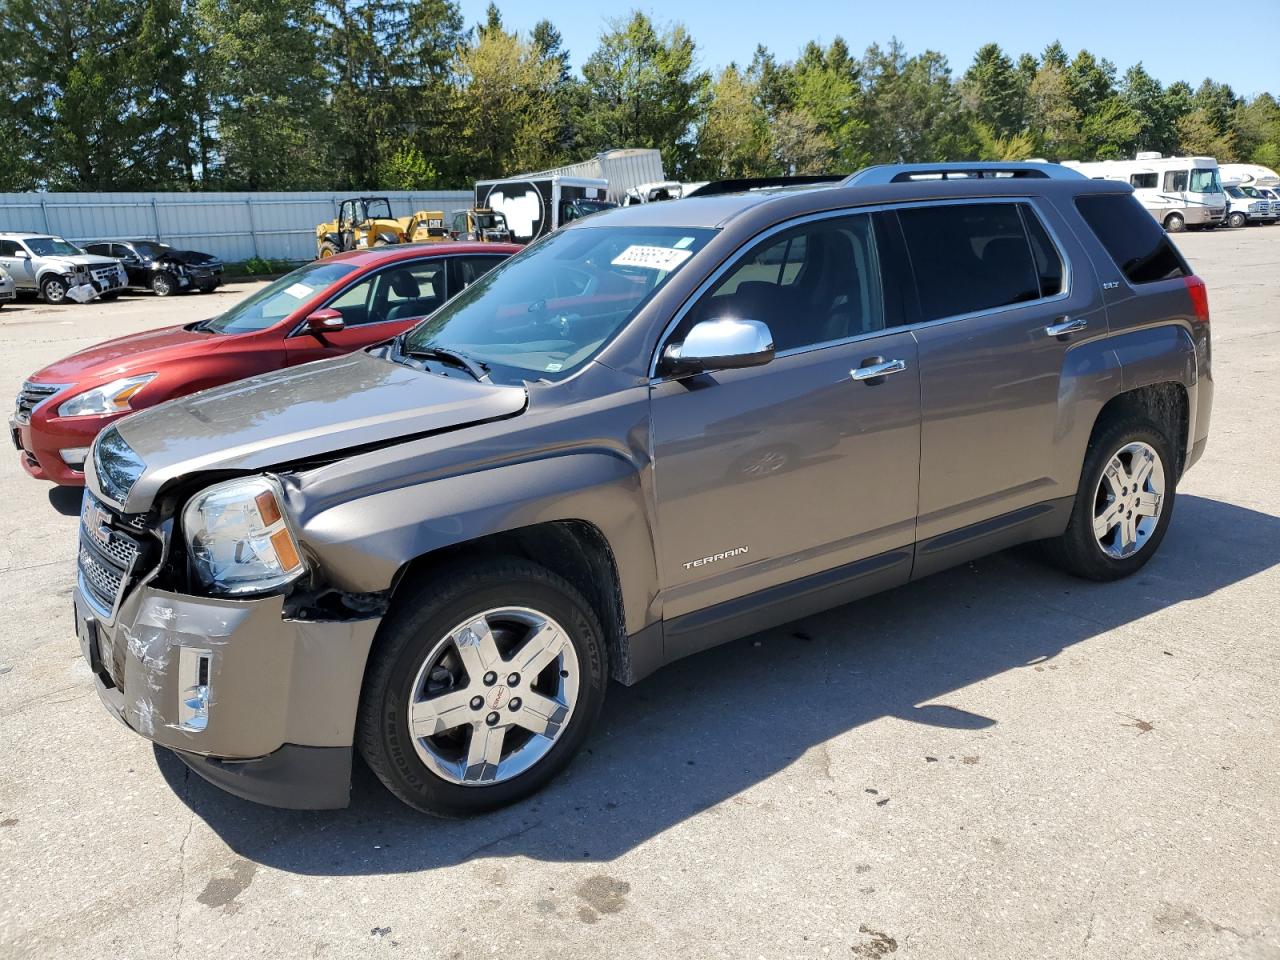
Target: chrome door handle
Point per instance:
(876, 370)
(1065, 326)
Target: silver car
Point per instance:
(8, 289)
(48, 265)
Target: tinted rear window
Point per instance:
(1131, 235)
(970, 257)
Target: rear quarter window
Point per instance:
(1137, 244)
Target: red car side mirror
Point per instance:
(325, 321)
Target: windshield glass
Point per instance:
(547, 310)
(1234, 192)
(491, 221)
(277, 300)
(53, 247)
(149, 249)
(378, 209)
(1205, 181)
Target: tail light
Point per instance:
(1199, 297)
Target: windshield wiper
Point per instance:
(476, 368)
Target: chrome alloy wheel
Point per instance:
(493, 696)
(1128, 501)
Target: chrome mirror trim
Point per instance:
(721, 345)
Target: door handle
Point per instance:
(873, 372)
(1064, 327)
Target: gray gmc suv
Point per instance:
(654, 431)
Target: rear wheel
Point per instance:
(1124, 502)
(1175, 223)
(483, 685)
(54, 289)
(1236, 220)
(164, 283)
(327, 250)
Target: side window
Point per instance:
(1144, 181)
(354, 303)
(459, 223)
(8, 248)
(412, 290)
(1137, 244)
(98, 249)
(467, 270)
(969, 257)
(1175, 181)
(815, 283)
(1048, 259)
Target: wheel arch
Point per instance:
(1166, 403)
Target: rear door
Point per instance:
(1005, 295)
(771, 475)
(377, 307)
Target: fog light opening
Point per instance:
(193, 688)
(74, 457)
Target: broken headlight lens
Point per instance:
(238, 539)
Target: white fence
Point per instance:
(233, 226)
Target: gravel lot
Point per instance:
(996, 762)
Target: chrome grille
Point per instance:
(107, 554)
(31, 396)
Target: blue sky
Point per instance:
(1175, 40)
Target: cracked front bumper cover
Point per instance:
(283, 693)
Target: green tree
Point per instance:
(644, 89)
(269, 108)
(912, 110)
(389, 81)
(826, 95)
(994, 92)
(734, 138)
(566, 93)
(502, 123)
(1198, 135)
(1055, 119)
(1090, 81)
(1255, 127)
(1148, 100)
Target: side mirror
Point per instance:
(325, 321)
(22, 255)
(720, 345)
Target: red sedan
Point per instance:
(326, 308)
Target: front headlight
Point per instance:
(111, 397)
(238, 539)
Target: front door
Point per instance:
(803, 470)
(1000, 315)
(14, 259)
(376, 307)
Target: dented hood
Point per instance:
(294, 414)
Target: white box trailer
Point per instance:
(535, 205)
(1179, 192)
(623, 169)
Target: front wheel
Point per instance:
(482, 686)
(1123, 505)
(1175, 223)
(1236, 220)
(54, 289)
(164, 283)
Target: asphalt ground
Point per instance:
(998, 761)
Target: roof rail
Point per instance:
(913, 172)
(741, 184)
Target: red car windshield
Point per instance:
(277, 300)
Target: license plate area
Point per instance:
(94, 645)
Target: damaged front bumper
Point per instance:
(259, 704)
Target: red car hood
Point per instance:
(125, 354)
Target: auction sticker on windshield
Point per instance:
(298, 290)
(651, 258)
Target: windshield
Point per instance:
(53, 247)
(149, 249)
(1205, 181)
(379, 209)
(491, 221)
(1235, 192)
(577, 209)
(277, 300)
(547, 310)
(1250, 191)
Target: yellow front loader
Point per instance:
(367, 222)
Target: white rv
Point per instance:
(1180, 192)
(1253, 174)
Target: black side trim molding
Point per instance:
(293, 777)
(1036, 522)
(703, 629)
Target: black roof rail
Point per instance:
(913, 172)
(742, 184)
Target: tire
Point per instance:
(417, 647)
(328, 250)
(164, 284)
(54, 289)
(1083, 552)
(1236, 220)
(109, 296)
(1175, 223)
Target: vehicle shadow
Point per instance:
(702, 730)
(66, 500)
